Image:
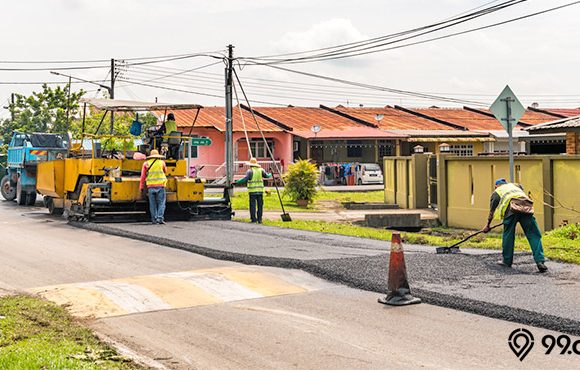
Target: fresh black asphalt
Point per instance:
(469, 282)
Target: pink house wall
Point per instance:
(214, 155)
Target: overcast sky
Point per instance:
(538, 57)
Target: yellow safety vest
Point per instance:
(506, 193)
(256, 183)
(156, 176)
(170, 126)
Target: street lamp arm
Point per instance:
(81, 79)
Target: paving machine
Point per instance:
(94, 183)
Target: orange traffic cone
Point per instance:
(399, 291)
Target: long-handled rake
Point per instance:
(453, 249)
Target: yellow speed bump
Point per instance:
(107, 298)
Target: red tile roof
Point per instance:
(535, 118)
(301, 120)
(393, 119)
(214, 117)
(462, 117)
(567, 112)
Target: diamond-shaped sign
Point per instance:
(499, 108)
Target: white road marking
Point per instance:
(218, 286)
(130, 297)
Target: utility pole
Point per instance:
(12, 114)
(229, 115)
(68, 105)
(112, 94)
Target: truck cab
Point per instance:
(25, 152)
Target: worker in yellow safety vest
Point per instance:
(255, 179)
(510, 204)
(154, 179)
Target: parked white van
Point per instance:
(369, 173)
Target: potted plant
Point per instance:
(301, 180)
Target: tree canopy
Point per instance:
(46, 111)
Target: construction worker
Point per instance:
(510, 204)
(153, 177)
(255, 178)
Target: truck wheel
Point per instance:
(8, 191)
(20, 194)
(51, 208)
(30, 199)
(360, 181)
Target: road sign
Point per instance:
(200, 141)
(508, 110)
(507, 100)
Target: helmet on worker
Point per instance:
(499, 182)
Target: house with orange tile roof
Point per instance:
(210, 123)
(483, 121)
(423, 131)
(327, 137)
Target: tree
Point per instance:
(44, 111)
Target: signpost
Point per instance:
(200, 141)
(195, 141)
(508, 110)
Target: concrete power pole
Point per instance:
(12, 115)
(112, 93)
(229, 124)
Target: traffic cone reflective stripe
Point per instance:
(399, 291)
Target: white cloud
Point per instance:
(332, 32)
(328, 33)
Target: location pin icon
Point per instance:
(521, 342)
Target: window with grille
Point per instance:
(259, 148)
(354, 149)
(386, 148)
(463, 150)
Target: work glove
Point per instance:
(486, 229)
(144, 193)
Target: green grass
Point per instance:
(36, 334)
(352, 196)
(558, 245)
(330, 198)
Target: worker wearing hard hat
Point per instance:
(153, 177)
(255, 179)
(510, 204)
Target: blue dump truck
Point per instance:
(25, 151)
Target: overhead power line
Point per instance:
(368, 41)
(381, 88)
(105, 60)
(43, 82)
(377, 48)
(380, 41)
(84, 67)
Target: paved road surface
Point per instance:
(187, 311)
(471, 281)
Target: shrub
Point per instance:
(301, 180)
(569, 232)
